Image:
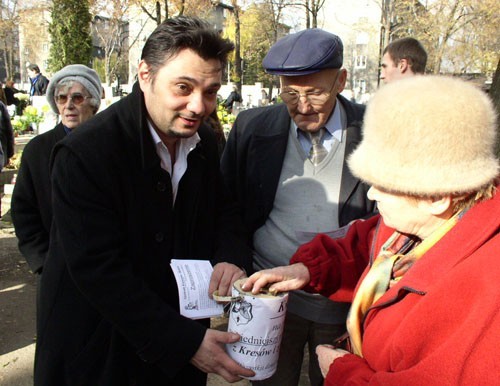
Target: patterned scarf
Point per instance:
(396, 257)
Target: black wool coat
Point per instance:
(31, 206)
(109, 310)
(6, 136)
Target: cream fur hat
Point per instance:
(428, 135)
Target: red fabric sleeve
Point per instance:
(335, 265)
(347, 365)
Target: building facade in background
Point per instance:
(365, 27)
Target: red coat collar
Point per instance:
(475, 228)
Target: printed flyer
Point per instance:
(193, 278)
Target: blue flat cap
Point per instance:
(304, 52)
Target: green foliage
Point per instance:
(226, 119)
(256, 40)
(119, 67)
(224, 116)
(99, 66)
(70, 34)
(30, 116)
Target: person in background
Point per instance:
(3, 97)
(427, 304)
(74, 94)
(403, 58)
(133, 188)
(234, 96)
(6, 140)
(39, 82)
(289, 190)
(264, 99)
(10, 91)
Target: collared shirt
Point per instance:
(333, 132)
(182, 149)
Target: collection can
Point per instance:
(259, 320)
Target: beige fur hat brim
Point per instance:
(428, 135)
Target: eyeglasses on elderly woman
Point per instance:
(76, 98)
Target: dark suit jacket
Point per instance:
(31, 200)
(109, 311)
(40, 86)
(253, 157)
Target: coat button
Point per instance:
(161, 187)
(159, 237)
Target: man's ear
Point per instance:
(342, 80)
(143, 74)
(404, 66)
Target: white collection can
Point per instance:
(259, 320)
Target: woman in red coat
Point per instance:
(423, 276)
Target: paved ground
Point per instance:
(17, 313)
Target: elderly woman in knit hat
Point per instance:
(423, 276)
(74, 93)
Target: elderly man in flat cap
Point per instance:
(285, 164)
(75, 94)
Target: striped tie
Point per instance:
(318, 152)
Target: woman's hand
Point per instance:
(287, 278)
(326, 355)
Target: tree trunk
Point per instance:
(314, 10)
(182, 7)
(308, 15)
(7, 64)
(238, 71)
(387, 7)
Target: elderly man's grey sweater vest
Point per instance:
(306, 203)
